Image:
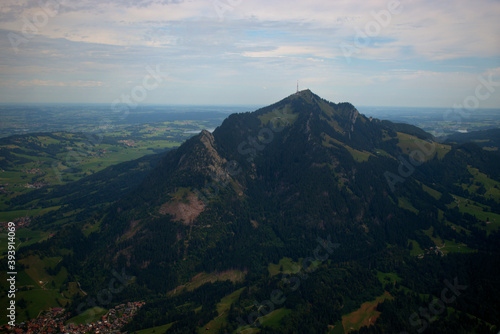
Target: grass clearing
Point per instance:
(385, 278)
(429, 232)
(285, 265)
(404, 203)
(359, 156)
(409, 143)
(24, 237)
(202, 278)
(416, 250)
(492, 187)
(223, 306)
(156, 330)
(489, 221)
(227, 301)
(274, 318)
(36, 269)
(434, 193)
(88, 316)
(279, 117)
(37, 300)
(366, 315)
(453, 247)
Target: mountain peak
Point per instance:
(306, 94)
(310, 98)
(206, 138)
(205, 132)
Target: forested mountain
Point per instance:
(365, 208)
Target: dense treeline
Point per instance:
(179, 309)
(485, 138)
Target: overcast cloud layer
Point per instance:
(417, 53)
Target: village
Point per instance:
(36, 185)
(52, 321)
(21, 222)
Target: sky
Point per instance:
(416, 53)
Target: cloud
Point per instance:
(495, 72)
(91, 43)
(52, 83)
(430, 28)
(288, 51)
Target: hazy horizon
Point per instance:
(387, 53)
(144, 105)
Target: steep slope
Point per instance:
(267, 184)
(270, 181)
(279, 186)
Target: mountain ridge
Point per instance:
(254, 200)
(258, 162)
(282, 220)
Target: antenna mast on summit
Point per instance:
(297, 86)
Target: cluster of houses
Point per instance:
(36, 185)
(52, 321)
(436, 250)
(21, 222)
(127, 142)
(32, 170)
